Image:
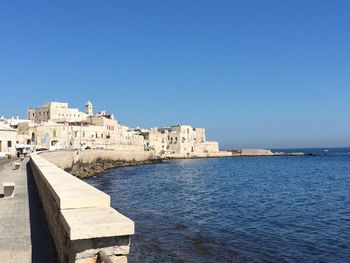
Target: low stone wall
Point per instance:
(79, 216)
(65, 159)
(197, 155)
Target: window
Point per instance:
(9, 144)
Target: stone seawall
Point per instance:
(80, 219)
(90, 162)
(197, 155)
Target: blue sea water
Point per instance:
(259, 209)
(318, 151)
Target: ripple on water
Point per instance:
(281, 209)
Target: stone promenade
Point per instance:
(24, 235)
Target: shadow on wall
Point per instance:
(43, 249)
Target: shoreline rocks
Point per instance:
(84, 170)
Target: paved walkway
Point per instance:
(24, 236)
(15, 242)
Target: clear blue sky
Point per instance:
(253, 73)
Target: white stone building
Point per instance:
(8, 139)
(55, 126)
(179, 140)
(58, 112)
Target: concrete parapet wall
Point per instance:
(65, 159)
(79, 216)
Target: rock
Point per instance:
(83, 170)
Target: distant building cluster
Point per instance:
(56, 126)
(177, 139)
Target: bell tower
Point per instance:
(88, 108)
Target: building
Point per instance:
(178, 139)
(57, 112)
(156, 139)
(56, 126)
(8, 139)
(13, 122)
(48, 135)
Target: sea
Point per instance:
(240, 209)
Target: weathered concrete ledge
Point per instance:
(79, 216)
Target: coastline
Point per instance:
(84, 164)
(84, 170)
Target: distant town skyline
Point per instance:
(257, 74)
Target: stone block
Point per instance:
(119, 259)
(87, 260)
(9, 189)
(68, 191)
(87, 248)
(17, 166)
(96, 222)
(104, 258)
